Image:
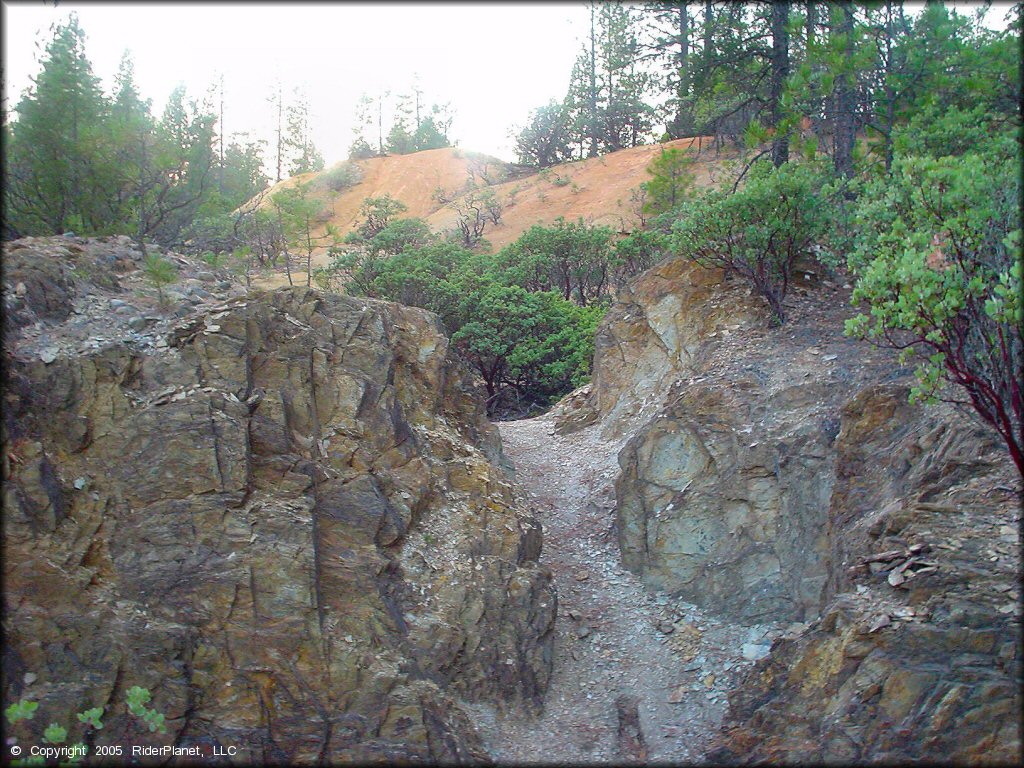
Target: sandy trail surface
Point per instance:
(613, 637)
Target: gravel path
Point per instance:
(613, 638)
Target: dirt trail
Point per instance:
(613, 637)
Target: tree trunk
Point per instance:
(812, 22)
(683, 119)
(280, 108)
(709, 21)
(593, 87)
(780, 71)
(844, 128)
(684, 49)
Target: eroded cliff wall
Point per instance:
(780, 475)
(282, 512)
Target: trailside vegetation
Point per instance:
(523, 318)
(906, 175)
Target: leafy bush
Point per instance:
(759, 231)
(377, 213)
(937, 258)
(339, 177)
(531, 346)
(638, 251)
(571, 258)
(398, 236)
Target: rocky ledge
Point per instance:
(283, 513)
(780, 476)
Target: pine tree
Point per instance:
(56, 170)
(298, 142)
(131, 128)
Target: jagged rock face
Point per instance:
(725, 484)
(917, 656)
(780, 474)
(723, 498)
(651, 333)
(283, 515)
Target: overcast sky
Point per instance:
(494, 62)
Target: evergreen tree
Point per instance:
(624, 118)
(175, 163)
(545, 139)
(298, 141)
(131, 127)
(671, 26)
(57, 175)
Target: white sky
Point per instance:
(493, 62)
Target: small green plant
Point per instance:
(160, 272)
(91, 718)
(561, 181)
(215, 260)
(137, 698)
(23, 710)
(55, 734)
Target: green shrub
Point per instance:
(56, 734)
(160, 272)
(937, 257)
(339, 177)
(759, 231)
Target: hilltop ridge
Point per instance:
(599, 190)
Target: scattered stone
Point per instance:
(754, 651)
(879, 623)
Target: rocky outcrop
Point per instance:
(649, 336)
(723, 496)
(917, 653)
(780, 475)
(280, 512)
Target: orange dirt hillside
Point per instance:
(598, 189)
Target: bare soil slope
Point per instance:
(598, 190)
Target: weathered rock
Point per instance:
(292, 529)
(924, 681)
(630, 736)
(723, 499)
(649, 335)
(724, 490)
(774, 477)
